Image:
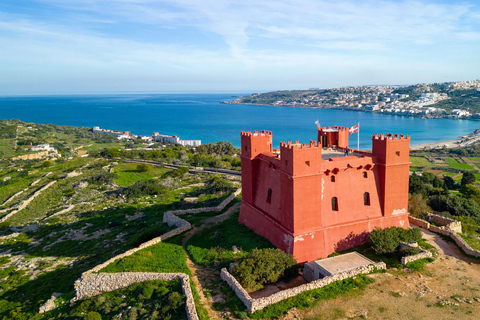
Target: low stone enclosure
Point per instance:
(92, 284)
(448, 227)
(260, 303)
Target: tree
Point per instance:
(449, 182)
(468, 178)
(417, 205)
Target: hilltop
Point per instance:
(68, 217)
(454, 100)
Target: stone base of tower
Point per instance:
(317, 243)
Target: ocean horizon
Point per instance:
(202, 116)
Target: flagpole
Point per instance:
(358, 137)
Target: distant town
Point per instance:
(155, 137)
(456, 100)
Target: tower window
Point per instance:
(246, 148)
(397, 153)
(334, 204)
(307, 163)
(286, 162)
(366, 199)
(332, 178)
(364, 174)
(269, 195)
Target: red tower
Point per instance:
(336, 137)
(310, 206)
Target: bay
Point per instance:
(201, 116)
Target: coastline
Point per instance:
(463, 141)
(344, 108)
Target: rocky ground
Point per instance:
(448, 288)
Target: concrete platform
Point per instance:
(327, 267)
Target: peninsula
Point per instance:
(453, 100)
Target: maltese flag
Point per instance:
(353, 129)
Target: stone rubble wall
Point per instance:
(446, 232)
(422, 255)
(260, 303)
(90, 285)
(26, 202)
(13, 197)
(67, 209)
(181, 225)
(419, 222)
(445, 223)
(218, 208)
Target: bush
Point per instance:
(176, 173)
(142, 167)
(102, 178)
(92, 315)
(262, 266)
(386, 241)
(46, 164)
(144, 188)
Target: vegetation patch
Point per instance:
(215, 244)
(162, 258)
(148, 300)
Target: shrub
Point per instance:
(143, 188)
(102, 178)
(386, 241)
(142, 167)
(92, 315)
(176, 173)
(217, 183)
(46, 164)
(262, 266)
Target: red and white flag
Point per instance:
(353, 129)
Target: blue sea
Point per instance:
(201, 116)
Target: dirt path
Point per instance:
(202, 275)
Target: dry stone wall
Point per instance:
(422, 255)
(260, 303)
(13, 197)
(26, 202)
(218, 208)
(90, 285)
(447, 232)
(445, 223)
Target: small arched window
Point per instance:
(364, 174)
(269, 195)
(366, 199)
(334, 204)
(332, 178)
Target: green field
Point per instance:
(457, 165)
(420, 162)
(128, 173)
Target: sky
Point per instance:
(128, 46)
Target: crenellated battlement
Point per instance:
(298, 145)
(339, 128)
(256, 133)
(390, 136)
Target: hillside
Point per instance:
(438, 100)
